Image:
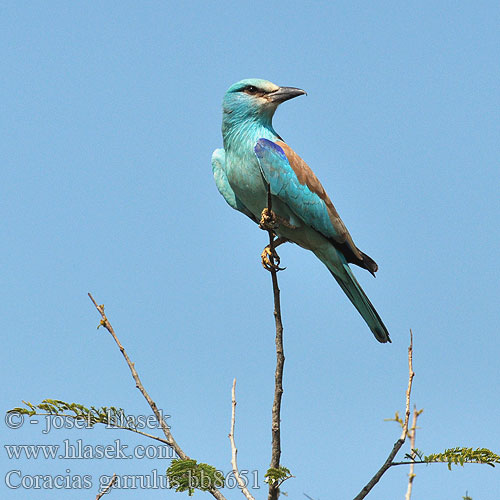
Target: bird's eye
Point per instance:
(251, 89)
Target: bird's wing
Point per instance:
(219, 171)
(291, 180)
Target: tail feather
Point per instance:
(349, 284)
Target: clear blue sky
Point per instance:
(110, 114)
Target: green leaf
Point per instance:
(103, 415)
(277, 476)
(461, 456)
(188, 475)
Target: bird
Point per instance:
(255, 163)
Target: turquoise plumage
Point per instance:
(218, 169)
(255, 159)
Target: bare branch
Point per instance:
(234, 450)
(399, 443)
(413, 462)
(142, 433)
(408, 390)
(268, 223)
(412, 434)
(108, 487)
(278, 387)
(164, 427)
(171, 441)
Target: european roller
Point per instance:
(257, 162)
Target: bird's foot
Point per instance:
(269, 256)
(271, 259)
(268, 220)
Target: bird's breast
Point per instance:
(244, 176)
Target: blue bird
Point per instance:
(256, 160)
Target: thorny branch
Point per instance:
(399, 443)
(234, 450)
(164, 427)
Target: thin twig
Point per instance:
(278, 386)
(408, 390)
(412, 433)
(413, 462)
(164, 427)
(142, 433)
(108, 487)
(171, 441)
(234, 450)
(280, 359)
(399, 443)
(427, 462)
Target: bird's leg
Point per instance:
(269, 256)
(269, 221)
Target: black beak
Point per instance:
(285, 93)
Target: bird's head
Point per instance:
(254, 98)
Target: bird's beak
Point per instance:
(285, 93)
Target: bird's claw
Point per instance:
(268, 220)
(271, 259)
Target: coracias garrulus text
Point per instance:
(256, 162)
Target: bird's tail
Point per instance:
(345, 278)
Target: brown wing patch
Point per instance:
(344, 242)
(307, 177)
